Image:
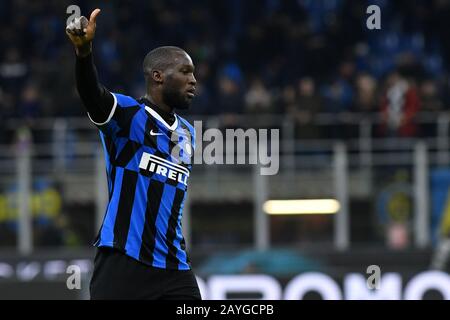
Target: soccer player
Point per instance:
(141, 251)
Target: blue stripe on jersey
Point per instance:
(125, 101)
(107, 162)
(120, 144)
(107, 233)
(137, 132)
(134, 239)
(181, 255)
(162, 222)
(163, 143)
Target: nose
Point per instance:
(192, 80)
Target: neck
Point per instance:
(156, 99)
(162, 109)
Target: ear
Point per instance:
(157, 76)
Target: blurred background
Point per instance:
(363, 117)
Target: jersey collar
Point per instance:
(160, 119)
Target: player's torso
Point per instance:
(155, 149)
(148, 165)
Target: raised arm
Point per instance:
(97, 100)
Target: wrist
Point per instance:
(84, 50)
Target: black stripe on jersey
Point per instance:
(183, 247)
(126, 116)
(183, 244)
(171, 259)
(154, 196)
(127, 153)
(113, 179)
(125, 207)
(173, 183)
(150, 140)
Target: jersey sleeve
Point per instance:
(120, 117)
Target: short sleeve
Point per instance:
(120, 116)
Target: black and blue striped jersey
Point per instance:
(148, 163)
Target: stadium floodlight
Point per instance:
(309, 206)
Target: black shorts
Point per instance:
(117, 276)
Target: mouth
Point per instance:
(190, 93)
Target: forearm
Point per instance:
(97, 100)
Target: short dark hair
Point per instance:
(160, 58)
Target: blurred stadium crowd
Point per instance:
(297, 57)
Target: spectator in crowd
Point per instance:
(399, 106)
(304, 109)
(230, 96)
(30, 104)
(430, 97)
(339, 93)
(258, 99)
(13, 70)
(365, 100)
(432, 102)
(230, 99)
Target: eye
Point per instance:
(186, 70)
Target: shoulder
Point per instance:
(187, 124)
(125, 101)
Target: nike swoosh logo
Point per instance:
(155, 133)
